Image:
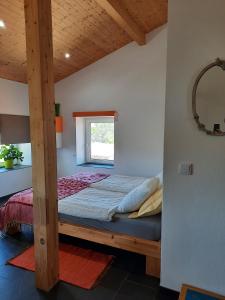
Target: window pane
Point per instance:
(102, 141)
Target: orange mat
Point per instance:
(77, 266)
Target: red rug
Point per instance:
(77, 266)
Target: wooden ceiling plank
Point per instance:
(81, 27)
(11, 73)
(148, 14)
(123, 19)
(102, 22)
(85, 26)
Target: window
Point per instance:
(95, 138)
(99, 140)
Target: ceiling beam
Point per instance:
(39, 47)
(119, 14)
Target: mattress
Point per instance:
(148, 228)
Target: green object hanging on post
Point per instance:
(57, 109)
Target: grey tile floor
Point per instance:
(124, 280)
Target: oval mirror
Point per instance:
(208, 99)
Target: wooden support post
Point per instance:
(41, 96)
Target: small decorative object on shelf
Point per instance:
(217, 130)
(58, 126)
(216, 127)
(8, 153)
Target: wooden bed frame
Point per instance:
(151, 249)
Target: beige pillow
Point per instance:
(152, 206)
(133, 215)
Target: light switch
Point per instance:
(186, 168)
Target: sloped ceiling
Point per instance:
(86, 29)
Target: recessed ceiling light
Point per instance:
(67, 55)
(2, 24)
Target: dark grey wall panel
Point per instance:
(14, 129)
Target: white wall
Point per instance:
(15, 181)
(26, 149)
(14, 100)
(193, 239)
(131, 81)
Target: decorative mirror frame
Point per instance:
(218, 63)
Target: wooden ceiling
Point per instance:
(86, 29)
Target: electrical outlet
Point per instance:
(186, 168)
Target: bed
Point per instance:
(148, 228)
(99, 221)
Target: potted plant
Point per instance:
(8, 153)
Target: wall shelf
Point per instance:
(15, 168)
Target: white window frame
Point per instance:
(88, 122)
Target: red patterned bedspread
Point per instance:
(19, 208)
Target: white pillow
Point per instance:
(133, 200)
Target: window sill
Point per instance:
(92, 165)
(15, 168)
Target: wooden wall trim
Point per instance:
(123, 19)
(39, 48)
(82, 114)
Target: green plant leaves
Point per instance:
(8, 152)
